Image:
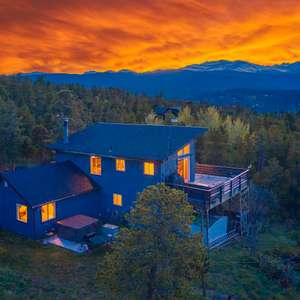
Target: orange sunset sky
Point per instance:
(143, 35)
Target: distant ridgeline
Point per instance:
(263, 88)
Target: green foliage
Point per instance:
(10, 131)
(185, 116)
(29, 114)
(30, 270)
(209, 118)
(234, 271)
(156, 257)
(151, 118)
(236, 137)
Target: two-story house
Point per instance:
(99, 171)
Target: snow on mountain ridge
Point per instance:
(241, 66)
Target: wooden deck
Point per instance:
(219, 184)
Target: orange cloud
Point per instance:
(143, 35)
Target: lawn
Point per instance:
(29, 270)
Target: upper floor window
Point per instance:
(120, 165)
(184, 151)
(95, 165)
(117, 199)
(148, 168)
(48, 211)
(22, 214)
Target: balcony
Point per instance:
(214, 185)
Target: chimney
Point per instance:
(66, 130)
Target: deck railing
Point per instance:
(238, 180)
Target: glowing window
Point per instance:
(180, 152)
(95, 165)
(48, 211)
(185, 150)
(148, 168)
(117, 199)
(120, 165)
(22, 215)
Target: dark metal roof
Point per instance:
(152, 142)
(49, 182)
(162, 110)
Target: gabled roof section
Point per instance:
(139, 141)
(49, 182)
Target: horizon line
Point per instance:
(151, 71)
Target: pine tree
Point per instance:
(156, 257)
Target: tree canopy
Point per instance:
(156, 257)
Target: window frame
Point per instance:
(123, 165)
(149, 168)
(18, 206)
(48, 213)
(117, 199)
(93, 167)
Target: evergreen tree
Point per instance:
(156, 257)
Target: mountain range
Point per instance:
(243, 66)
(209, 82)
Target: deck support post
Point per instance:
(241, 215)
(243, 197)
(202, 221)
(207, 226)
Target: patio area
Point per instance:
(79, 233)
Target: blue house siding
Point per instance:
(169, 167)
(87, 204)
(127, 183)
(192, 160)
(8, 213)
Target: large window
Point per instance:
(148, 168)
(22, 214)
(120, 165)
(48, 211)
(117, 199)
(95, 165)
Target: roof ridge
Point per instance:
(144, 124)
(129, 140)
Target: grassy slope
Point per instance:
(234, 271)
(29, 270)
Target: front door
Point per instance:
(184, 168)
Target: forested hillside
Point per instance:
(261, 88)
(29, 119)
